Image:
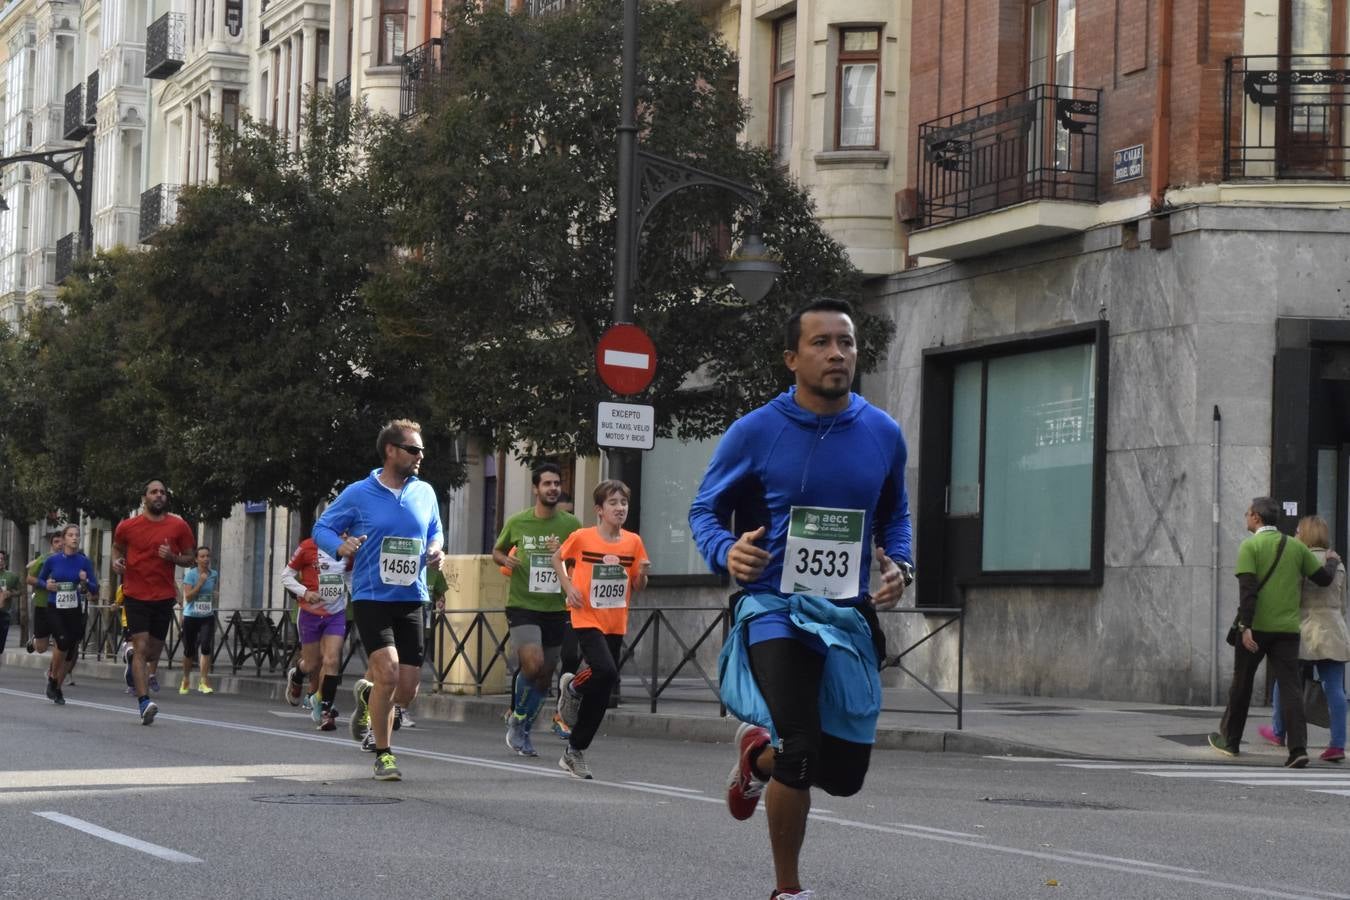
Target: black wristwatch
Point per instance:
(906, 571)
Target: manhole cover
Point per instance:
(326, 799)
(1049, 804)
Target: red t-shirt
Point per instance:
(148, 577)
(305, 564)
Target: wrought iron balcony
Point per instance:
(75, 127)
(65, 257)
(1037, 144)
(165, 39)
(91, 99)
(159, 210)
(342, 89)
(1287, 117)
(548, 7)
(422, 74)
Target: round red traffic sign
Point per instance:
(625, 359)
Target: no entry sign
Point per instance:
(625, 359)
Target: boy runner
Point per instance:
(600, 569)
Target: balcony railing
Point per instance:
(547, 7)
(342, 89)
(1287, 117)
(75, 127)
(65, 257)
(1037, 144)
(159, 210)
(164, 42)
(422, 74)
(91, 99)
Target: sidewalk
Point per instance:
(993, 724)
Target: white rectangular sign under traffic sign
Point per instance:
(629, 426)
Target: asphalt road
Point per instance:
(224, 796)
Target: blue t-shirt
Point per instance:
(204, 604)
(783, 456)
(398, 527)
(66, 570)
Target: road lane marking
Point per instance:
(1072, 860)
(978, 842)
(935, 830)
(1133, 862)
(117, 837)
(665, 787)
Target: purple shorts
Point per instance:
(313, 627)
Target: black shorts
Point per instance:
(390, 623)
(44, 622)
(552, 625)
(149, 616)
(67, 627)
(199, 635)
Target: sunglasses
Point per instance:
(411, 449)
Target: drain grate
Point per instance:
(326, 799)
(1050, 804)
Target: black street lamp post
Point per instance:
(76, 166)
(646, 179)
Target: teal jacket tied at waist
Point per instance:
(850, 690)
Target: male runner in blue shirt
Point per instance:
(393, 527)
(815, 480)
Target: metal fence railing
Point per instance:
(669, 651)
(1286, 117)
(1037, 144)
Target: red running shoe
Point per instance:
(1333, 754)
(743, 788)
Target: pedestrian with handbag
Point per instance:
(1270, 570)
(1325, 644)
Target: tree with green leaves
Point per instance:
(505, 191)
(236, 358)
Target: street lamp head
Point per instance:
(752, 268)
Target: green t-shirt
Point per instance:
(1277, 604)
(40, 591)
(533, 583)
(9, 581)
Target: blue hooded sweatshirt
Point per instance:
(782, 455)
(389, 520)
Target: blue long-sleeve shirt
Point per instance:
(782, 455)
(386, 567)
(66, 570)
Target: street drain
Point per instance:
(1050, 804)
(326, 799)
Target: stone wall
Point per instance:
(1191, 327)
